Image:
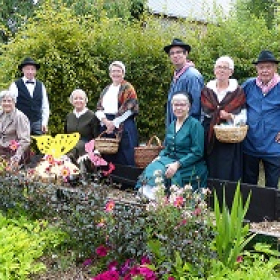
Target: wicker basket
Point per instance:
(143, 155)
(107, 145)
(230, 134)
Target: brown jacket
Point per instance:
(16, 127)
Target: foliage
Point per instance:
(233, 235)
(23, 242)
(13, 14)
(258, 8)
(178, 224)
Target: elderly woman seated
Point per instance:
(14, 129)
(181, 161)
(81, 120)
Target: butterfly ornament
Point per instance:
(56, 146)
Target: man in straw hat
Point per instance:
(186, 78)
(32, 97)
(262, 142)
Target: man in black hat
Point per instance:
(32, 97)
(262, 142)
(186, 78)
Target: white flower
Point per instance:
(174, 188)
(158, 180)
(188, 187)
(158, 173)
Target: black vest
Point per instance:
(30, 106)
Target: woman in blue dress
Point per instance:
(181, 161)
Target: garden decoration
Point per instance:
(55, 165)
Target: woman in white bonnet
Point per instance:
(116, 110)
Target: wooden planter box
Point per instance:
(265, 202)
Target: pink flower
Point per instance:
(110, 206)
(65, 172)
(179, 201)
(145, 260)
(197, 211)
(50, 159)
(111, 169)
(107, 275)
(171, 278)
(101, 251)
(13, 145)
(113, 266)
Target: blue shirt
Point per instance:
(263, 118)
(192, 82)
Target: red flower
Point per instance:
(239, 259)
(109, 206)
(111, 169)
(101, 251)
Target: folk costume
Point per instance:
(32, 99)
(224, 160)
(120, 104)
(186, 146)
(263, 109)
(14, 126)
(84, 122)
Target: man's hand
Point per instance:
(277, 138)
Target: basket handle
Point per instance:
(156, 138)
(105, 131)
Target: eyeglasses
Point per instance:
(222, 67)
(179, 104)
(175, 53)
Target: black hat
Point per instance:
(177, 43)
(28, 61)
(266, 56)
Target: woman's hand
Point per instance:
(226, 116)
(110, 126)
(171, 169)
(277, 138)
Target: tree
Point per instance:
(258, 8)
(13, 14)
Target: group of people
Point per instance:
(192, 152)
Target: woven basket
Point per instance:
(143, 155)
(230, 134)
(107, 145)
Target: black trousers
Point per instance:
(271, 170)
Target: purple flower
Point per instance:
(145, 260)
(87, 262)
(107, 275)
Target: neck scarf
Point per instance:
(271, 84)
(178, 73)
(232, 102)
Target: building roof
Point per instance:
(199, 10)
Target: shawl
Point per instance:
(232, 103)
(127, 99)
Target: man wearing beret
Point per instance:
(32, 97)
(262, 142)
(186, 78)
